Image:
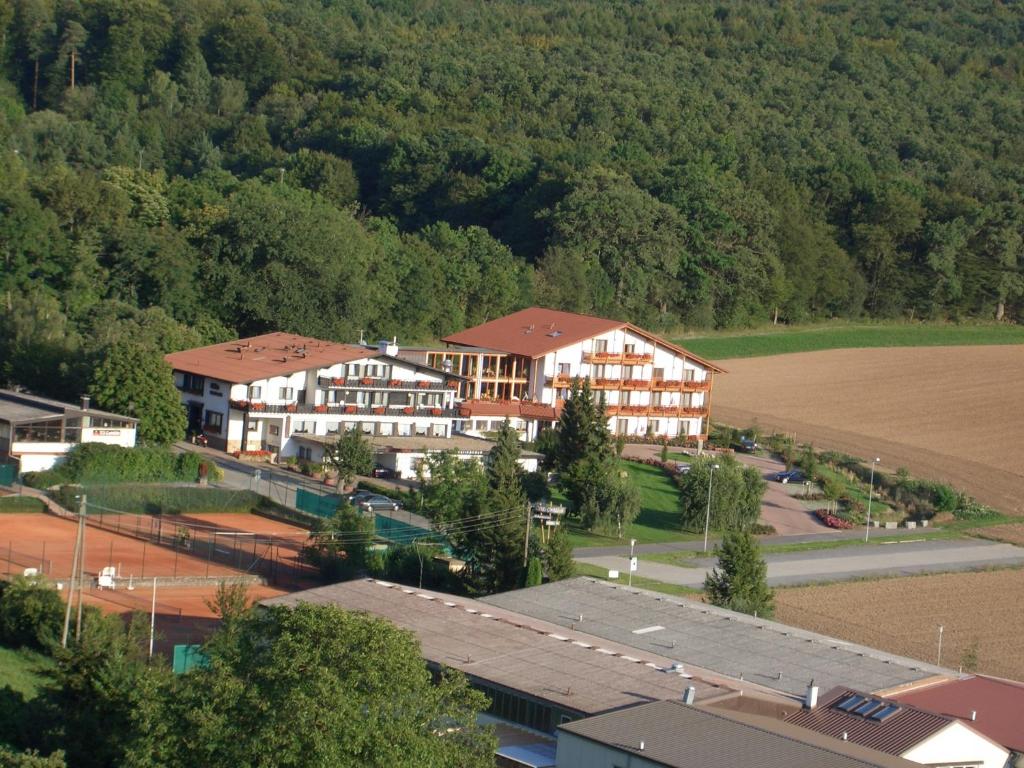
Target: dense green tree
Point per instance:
(736, 492)
(134, 381)
(558, 562)
(340, 547)
(371, 701)
(30, 759)
(534, 574)
(31, 613)
(739, 581)
(351, 455)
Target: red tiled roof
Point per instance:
(908, 727)
(259, 357)
(998, 705)
(510, 409)
(536, 331)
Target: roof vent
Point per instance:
(555, 334)
(689, 695)
(85, 402)
(641, 746)
(811, 699)
(974, 715)
(846, 736)
(389, 348)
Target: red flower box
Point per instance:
(321, 409)
(366, 381)
(435, 411)
(423, 384)
(394, 382)
(378, 411)
(291, 408)
(409, 410)
(257, 406)
(453, 384)
(350, 409)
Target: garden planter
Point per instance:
(350, 409)
(408, 411)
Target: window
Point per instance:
(629, 349)
(254, 426)
(688, 374)
(334, 396)
(255, 393)
(657, 398)
(655, 425)
(214, 422)
(304, 426)
(659, 373)
(600, 345)
(564, 369)
(305, 454)
(275, 429)
(193, 383)
(353, 370)
(286, 393)
(333, 427)
(215, 389)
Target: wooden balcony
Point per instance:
(661, 411)
(367, 382)
(340, 409)
(618, 358)
(677, 385)
(697, 386)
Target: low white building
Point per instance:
(900, 729)
(37, 432)
(265, 392)
(521, 367)
(406, 456)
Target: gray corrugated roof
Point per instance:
(21, 406)
(567, 668)
(680, 736)
(774, 655)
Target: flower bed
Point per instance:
(832, 521)
(252, 454)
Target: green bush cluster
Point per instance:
(31, 613)
(163, 500)
(90, 463)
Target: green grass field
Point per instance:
(584, 569)
(21, 670)
(658, 520)
(20, 504)
(810, 338)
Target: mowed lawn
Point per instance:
(811, 338)
(658, 520)
(22, 670)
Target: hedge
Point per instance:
(90, 463)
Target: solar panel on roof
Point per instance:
(887, 711)
(849, 703)
(868, 706)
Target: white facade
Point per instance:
(649, 388)
(379, 395)
(957, 745)
(36, 457)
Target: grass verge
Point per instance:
(585, 569)
(811, 338)
(20, 504)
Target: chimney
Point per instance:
(811, 698)
(846, 736)
(689, 695)
(386, 347)
(85, 402)
(974, 715)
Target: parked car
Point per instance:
(383, 473)
(790, 475)
(376, 503)
(355, 498)
(748, 444)
(682, 467)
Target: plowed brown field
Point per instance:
(951, 414)
(979, 612)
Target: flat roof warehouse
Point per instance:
(732, 644)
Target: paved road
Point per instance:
(779, 507)
(894, 558)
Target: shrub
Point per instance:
(968, 508)
(97, 463)
(31, 613)
(833, 521)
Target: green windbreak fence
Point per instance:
(321, 505)
(8, 474)
(188, 657)
(325, 505)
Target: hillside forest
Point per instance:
(175, 172)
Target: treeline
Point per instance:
(202, 169)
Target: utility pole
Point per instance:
(81, 568)
(938, 661)
(526, 541)
(632, 543)
(152, 620)
(74, 572)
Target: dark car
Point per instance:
(748, 444)
(383, 473)
(377, 503)
(790, 476)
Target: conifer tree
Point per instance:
(740, 581)
(558, 556)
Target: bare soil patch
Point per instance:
(1011, 534)
(951, 414)
(977, 611)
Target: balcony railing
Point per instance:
(625, 358)
(653, 410)
(370, 382)
(257, 409)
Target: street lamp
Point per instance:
(707, 518)
(632, 543)
(871, 492)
